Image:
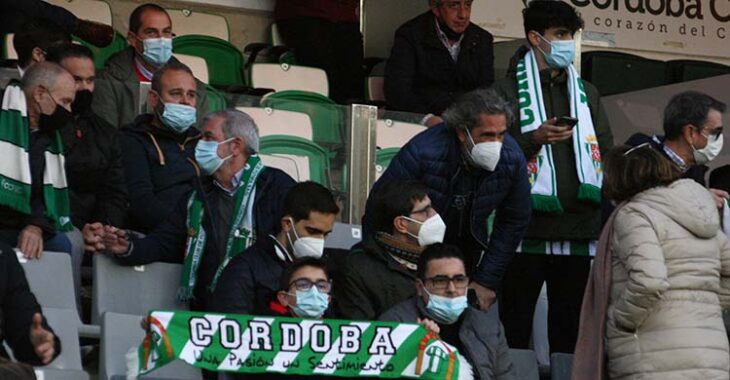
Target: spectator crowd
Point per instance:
(515, 183)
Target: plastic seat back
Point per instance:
(120, 333)
(305, 152)
(280, 122)
(282, 77)
(197, 64)
(225, 61)
(186, 21)
(287, 164)
(395, 134)
(327, 117)
(134, 290)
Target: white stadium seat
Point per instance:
(280, 122)
(281, 77)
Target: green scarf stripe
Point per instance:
(57, 207)
(546, 203)
(14, 128)
(194, 248)
(576, 133)
(579, 249)
(15, 194)
(538, 94)
(554, 178)
(588, 192)
(534, 246)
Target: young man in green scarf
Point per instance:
(238, 202)
(562, 130)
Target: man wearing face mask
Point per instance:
(437, 57)
(441, 306)
(94, 169)
(34, 205)
(562, 131)
(250, 281)
(379, 273)
(472, 169)
(117, 97)
(692, 136)
(237, 203)
(159, 148)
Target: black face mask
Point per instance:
(450, 34)
(82, 102)
(55, 121)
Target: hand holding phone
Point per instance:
(566, 121)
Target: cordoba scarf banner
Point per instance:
(295, 346)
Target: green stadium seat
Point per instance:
(284, 76)
(225, 62)
(327, 117)
(615, 73)
(312, 160)
(382, 160)
(118, 44)
(186, 22)
(687, 70)
(216, 99)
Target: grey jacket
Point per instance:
(116, 96)
(481, 334)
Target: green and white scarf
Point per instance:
(15, 176)
(240, 237)
(541, 168)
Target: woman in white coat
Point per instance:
(670, 273)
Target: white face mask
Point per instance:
(432, 230)
(485, 155)
(306, 246)
(710, 151)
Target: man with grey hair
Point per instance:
(473, 170)
(237, 202)
(31, 217)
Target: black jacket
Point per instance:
(14, 13)
(167, 242)
(94, 170)
(371, 283)
(421, 76)
(17, 306)
(250, 281)
(160, 169)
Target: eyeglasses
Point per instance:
(304, 284)
(716, 133)
(626, 153)
(442, 282)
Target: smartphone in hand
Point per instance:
(566, 121)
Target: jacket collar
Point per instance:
(371, 247)
(469, 40)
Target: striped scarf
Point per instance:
(15, 176)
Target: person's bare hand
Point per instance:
(115, 240)
(42, 340)
(30, 242)
(719, 196)
(550, 133)
(93, 234)
(485, 295)
(429, 325)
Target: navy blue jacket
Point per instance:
(167, 242)
(250, 281)
(160, 169)
(435, 158)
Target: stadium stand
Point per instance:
(197, 64)
(282, 77)
(225, 61)
(312, 160)
(188, 22)
(280, 122)
(326, 116)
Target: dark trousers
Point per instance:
(337, 48)
(566, 278)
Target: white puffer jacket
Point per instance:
(671, 273)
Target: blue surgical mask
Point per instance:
(444, 309)
(562, 53)
(206, 154)
(178, 117)
(157, 51)
(310, 303)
